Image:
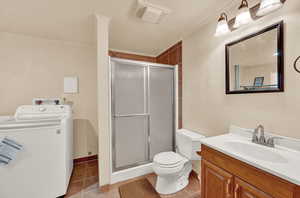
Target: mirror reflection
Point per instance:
(253, 64)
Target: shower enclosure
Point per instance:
(143, 112)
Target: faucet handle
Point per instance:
(271, 141)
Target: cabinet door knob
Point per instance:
(58, 132)
(236, 191)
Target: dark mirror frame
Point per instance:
(280, 59)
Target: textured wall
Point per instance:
(33, 67)
(208, 109)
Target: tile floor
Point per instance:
(84, 184)
(84, 177)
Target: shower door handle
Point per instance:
(130, 115)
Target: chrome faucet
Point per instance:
(271, 142)
(261, 139)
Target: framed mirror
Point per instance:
(255, 63)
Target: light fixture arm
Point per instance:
(223, 16)
(244, 4)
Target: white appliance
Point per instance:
(43, 168)
(173, 169)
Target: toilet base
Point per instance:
(173, 183)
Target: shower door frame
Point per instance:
(147, 66)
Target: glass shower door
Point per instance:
(143, 112)
(129, 115)
(161, 107)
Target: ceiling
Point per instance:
(72, 20)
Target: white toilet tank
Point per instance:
(188, 143)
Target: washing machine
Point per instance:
(43, 167)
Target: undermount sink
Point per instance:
(255, 151)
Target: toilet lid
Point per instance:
(168, 158)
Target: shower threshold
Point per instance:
(131, 173)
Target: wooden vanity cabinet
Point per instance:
(245, 190)
(225, 177)
(217, 183)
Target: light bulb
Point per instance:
(244, 16)
(222, 27)
(267, 6)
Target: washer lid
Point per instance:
(6, 118)
(168, 158)
(42, 112)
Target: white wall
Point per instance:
(34, 67)
(207, 108)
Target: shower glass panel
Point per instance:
(131, 141)
(130, 119)
(129, 89)
(142, 112)
(161, 99)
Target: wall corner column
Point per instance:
(102, 23)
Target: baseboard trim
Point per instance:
(131, 173)
(105, 188)
(85, 159)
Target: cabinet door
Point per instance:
(245, 190)
(215, 182)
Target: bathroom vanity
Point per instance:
(233, 167)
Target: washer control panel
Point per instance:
(46, 101)
(42, 111)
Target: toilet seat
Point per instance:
(169, 159)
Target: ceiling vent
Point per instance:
(151, 13)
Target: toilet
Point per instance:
(173, 169)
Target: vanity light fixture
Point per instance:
(267, 6)
(222, 27)
(244, 16)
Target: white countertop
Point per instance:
(287, 167)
